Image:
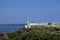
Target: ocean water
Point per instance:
(5, 28)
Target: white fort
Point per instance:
(32, 24)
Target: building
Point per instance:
(32, 24)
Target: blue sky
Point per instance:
(19, 11)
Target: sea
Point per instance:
(5, 28)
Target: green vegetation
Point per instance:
(42, 33)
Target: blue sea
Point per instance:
(5, 28)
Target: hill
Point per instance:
(42, 33)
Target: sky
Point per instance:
(19, 11)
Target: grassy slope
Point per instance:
(42, 33)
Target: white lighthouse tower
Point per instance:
(27, 26)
